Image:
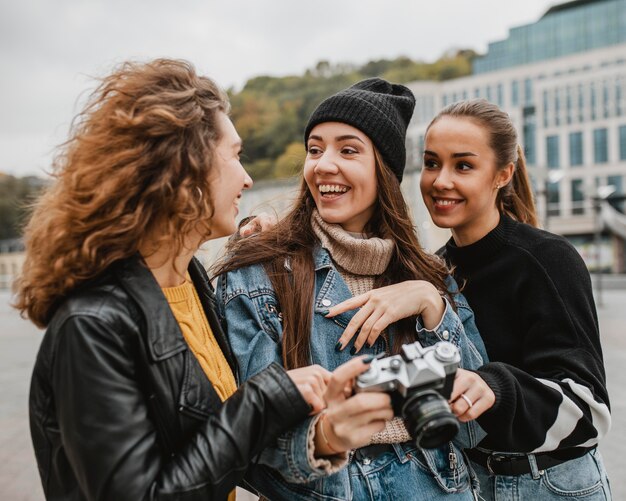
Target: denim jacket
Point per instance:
(253, 322)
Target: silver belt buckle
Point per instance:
(490, 458)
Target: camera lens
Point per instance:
(429, 419)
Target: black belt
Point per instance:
(371, 452)
(512, 465)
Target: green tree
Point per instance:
(260, 169)
(270, 113)
(291, 161)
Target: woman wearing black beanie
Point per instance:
(289, 294)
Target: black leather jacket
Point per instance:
(121, 410)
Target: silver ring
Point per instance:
(466, 398)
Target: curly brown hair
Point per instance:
(138, 158)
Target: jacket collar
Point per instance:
(164, 337)
(321, 258)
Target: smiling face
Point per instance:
(340, 171)
(230, 179)
(460, 181)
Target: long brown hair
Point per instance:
(292, 241)
(516, 198)
(138, 158)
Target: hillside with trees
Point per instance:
(270, 113)
(16, 196)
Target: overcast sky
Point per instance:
(50, 49)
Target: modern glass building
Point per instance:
(562, 80)
(569, 28)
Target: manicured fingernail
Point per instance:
(353, 350)
(325, 312)
(338, 346)
(368, 359)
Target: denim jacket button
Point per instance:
(326, 302)
(445, 335)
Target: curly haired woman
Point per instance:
(133, 393)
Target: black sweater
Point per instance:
(531, 293)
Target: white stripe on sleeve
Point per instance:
(569, 414)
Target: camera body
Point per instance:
(420, 381)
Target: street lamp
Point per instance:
(601, 194)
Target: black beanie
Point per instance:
(380, 109)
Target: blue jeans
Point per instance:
(580, 478)
(380, 478)
(403, 473)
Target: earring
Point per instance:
(497, 186)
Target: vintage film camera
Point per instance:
(420, 383)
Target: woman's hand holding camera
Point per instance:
(471, 396)
(350, 421)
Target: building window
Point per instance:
(576, 148)
(557, 107)
(600, 146)
(529, 143)
(476, 92)
(545, 108)
(581, 103)
(528, 91)
(578, 197)
(552, 151)
(445, 100)
(514, 92)
(618, 97)
(488, 93)
(500, 95)
(618, 183)
(554, 199)
(568, 104)
(593, 101)
(622, 142)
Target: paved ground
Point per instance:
(19, 480)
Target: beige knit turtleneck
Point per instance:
(359, 260)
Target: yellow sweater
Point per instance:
(187, 309)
